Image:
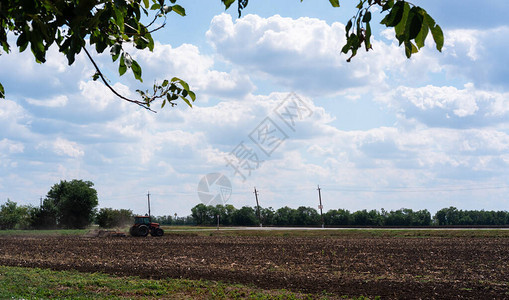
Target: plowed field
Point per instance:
(404, 268)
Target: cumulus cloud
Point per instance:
(8, 146)
(57, 101)
(478, 55)
(448, 106)
(302, 54)
(68, 148)
(186, 62)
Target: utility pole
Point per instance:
(320, 206)
(258, 207)
(148, 199)
(40, 205)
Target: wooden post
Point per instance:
(320, 206)
(258, 207)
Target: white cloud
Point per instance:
(186, 62)
(57, 101)
(448, 106)
(7, 146)
(478, 55)
(303, 54)
(65, 147)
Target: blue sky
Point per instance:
(379, 132)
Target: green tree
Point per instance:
(74, 201)
(267, 215)
(12, 215)
(204, 214)
(245, 216)
(284, 216)
(305, 216)
(44, 217)
(109, 217)
(422, 218)
(225, 213)
(112, 25)
(338, 217)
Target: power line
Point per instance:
(414, 189)
(352, 189)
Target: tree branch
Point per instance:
(137, 102)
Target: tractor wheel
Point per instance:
(153, 231)
(133, 231)
(143, 230)
(159, 232)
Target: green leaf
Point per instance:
(414, 23)
(348, 27)
(2, 91)
(395, 15)
(410, 49)
(438, 36)
(401, 26)
(388, 5)
(227, 3)
(115, 51)
(421, 36)
(184, 84)
(345, 48)
(22, 42)
(128, 60)
(192, 95)
(146, 3)
(165, 83)
(179, 10)
(164, 103)
(136, 70)
(96, 76)
(367, 17)
(367, 40)
(334, 3)
(122, 68)
(186, 101)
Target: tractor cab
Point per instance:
(142, 220)
(143, 226)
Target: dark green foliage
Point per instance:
(246, 216)
(44, 217)
(307, 216)
(267, 215)
(109, 217)
(284, 216)
(453, 216)
(203, 214)
(13, 216)
(411, 25)
(338, 217)
(73, 203)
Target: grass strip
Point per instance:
(34, 283)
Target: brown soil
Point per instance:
(399, 268)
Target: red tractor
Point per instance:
(143, 226)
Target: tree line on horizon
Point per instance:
(307, 216)
(74, 204)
